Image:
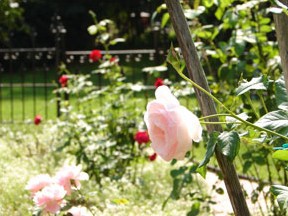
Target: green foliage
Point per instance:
(275, 120)
(229, 144)
(255, 84)
(281, 192)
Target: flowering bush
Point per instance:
(51, 194)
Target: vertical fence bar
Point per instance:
(46, 91)
(1, 98)
(23, 92)
(11, 87)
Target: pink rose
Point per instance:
(50, 198)
(70, 176)
(38, 182)
(171, 127)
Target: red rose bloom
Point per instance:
(153, 157)
(142, 137)
(37, 119)
(158, 82)
(63, 80)
(95, 55)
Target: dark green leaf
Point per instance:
(257, 83)
(282, 194)
(210, 148)
(195, 210)
(229, 144)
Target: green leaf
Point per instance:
(210, 148)
(276, 120)
(282, 194)
(195, 210)
(280, 155)
(281, 93)
(257, 83)
(164, 20)
(229, 144)
(191, 14)
(117, 40)
(174, 59)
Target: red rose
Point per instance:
(153, 157)
(63, 80)
(95, 55)
(37, 119)
(142, 137)
(158, 82)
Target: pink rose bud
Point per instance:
(63, 80)
(37, 119)
(142, 137)
(95, 55)
(158, 82)
(171, 127)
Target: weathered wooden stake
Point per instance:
(207, 105)
(281, 24)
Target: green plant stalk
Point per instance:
(263, 102)
(228, 110)
(252, 106)
(203, 122)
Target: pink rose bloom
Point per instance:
(70, 176)
(171, 127)
(78, 211)
(50, 198)
(38, 182)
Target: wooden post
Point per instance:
(207, 105)
(281, 24)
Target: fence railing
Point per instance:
(29, 76)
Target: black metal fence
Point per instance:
(29, 76)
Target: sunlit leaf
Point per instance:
(280, 155)
(281, 93)
(276, 120)
(257, 83)
(282, 194)
(164, 20)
